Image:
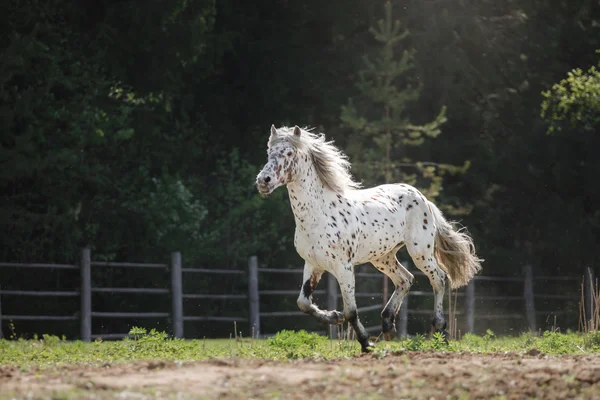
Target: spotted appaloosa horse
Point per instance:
(339, 225)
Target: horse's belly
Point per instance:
(375, 247)
(380, 234)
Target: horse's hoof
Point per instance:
(388, 329)
(368, 348)
(333, 318)
(338, 318)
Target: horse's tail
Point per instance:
(454, 251)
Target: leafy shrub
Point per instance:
(556, 343)
(416, 343)
(296, 344)
(591, 341)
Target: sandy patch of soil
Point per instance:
(411, 375)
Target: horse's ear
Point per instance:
(272, 136)
(297, 131)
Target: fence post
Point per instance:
(332, 292)
(176, 295)
(470, 306)
(589, 297)
(403, 317)
(1, 334)
(86, 295)
(386, 295)
(528, 294)
(253, 297)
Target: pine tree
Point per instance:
(382, 130)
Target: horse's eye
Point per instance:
(289, 154)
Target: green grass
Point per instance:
(51, 351)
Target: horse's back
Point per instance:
(387, 217)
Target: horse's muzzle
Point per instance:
(264, 189)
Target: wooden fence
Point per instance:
(254, 314)
(468, 294)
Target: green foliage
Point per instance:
(240, 221)
(142, 335)
(438, 342)
(143, 345)
(55, 115)
(169, 210)
(555, 343)
(297, 344)
(416, 343)
(78, 137)
(137, 332)
(382, 130)
(575, 100)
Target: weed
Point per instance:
(13, 331)
(297, 344)
(136, 332)
(438, 342)
(416, 343)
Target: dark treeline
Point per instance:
(137, 127)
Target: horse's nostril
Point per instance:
(267, 179)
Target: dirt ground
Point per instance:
(411, 375)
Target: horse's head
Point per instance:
(282, 162)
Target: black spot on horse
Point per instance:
(307, 289)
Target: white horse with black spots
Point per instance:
(340, 225)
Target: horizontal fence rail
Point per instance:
(212, 318)
(216, 296)
(41, 293)
(109, 314)
(131, 290)
(213, 271)
(37, 265)
(253, 313)
(126, 265)
(41, 317)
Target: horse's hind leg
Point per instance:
(402, 279)
(311, 278)
(421, 251)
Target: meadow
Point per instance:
(297, 364)
(50, 351)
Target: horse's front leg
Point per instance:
(311, 278)
(347, 286)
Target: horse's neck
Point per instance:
(308, 197)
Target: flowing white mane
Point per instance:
(331, 164)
